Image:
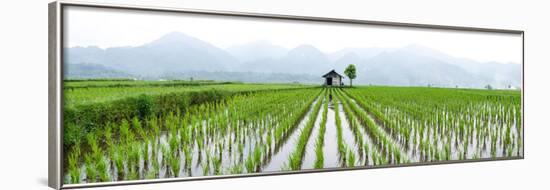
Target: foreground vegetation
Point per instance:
(130, 130)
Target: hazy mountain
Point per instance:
(341, 63)
(179, 54)
(363, 53)
(87, 71)
(256, 51)
(92, 54)
(174, 52)
(499, 74)
(304, 59)
(405, 69)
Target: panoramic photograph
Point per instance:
(153, 95)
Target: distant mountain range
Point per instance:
(179, 56)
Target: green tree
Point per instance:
(351, 73)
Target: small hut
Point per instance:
(332, 78)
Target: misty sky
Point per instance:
(111, 28)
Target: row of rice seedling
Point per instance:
(243, 132)
(73, 164)
(281, 131)
(354, 126)
(89, 109)
(210, 137)
(389, 148)
(320, 141)
(215, 128)
(283, 121)
(366, 152)
(391, 126)
(295, 158)
(345, 153)
(445, 124)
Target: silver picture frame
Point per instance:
(55, 92)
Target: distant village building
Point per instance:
(332, 78)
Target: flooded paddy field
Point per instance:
(222, 132)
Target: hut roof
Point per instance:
(332, 73)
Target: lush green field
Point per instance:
(129, 130)
(90, 92)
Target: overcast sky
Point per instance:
(111, 28)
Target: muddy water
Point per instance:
(279, 160)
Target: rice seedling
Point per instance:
(124, 131)
(133, 161)
(188, 157)
(136, 126)
(236, 169)
(350, 158)
(145, 152)
(206, 131)
(384, 141)
(133, 174)
(250, 165)
(319, 143)
(257, 156)
(206, 165)
(73, 159)
(173, 142)
(91, 138)
(175, 163)
(217, 165)
(165, 154)
(108, 136)
(366, 150)
(339, 138)
(101, 166)
(151, 174)
(118, 160)
(91, 173)
(295, 158)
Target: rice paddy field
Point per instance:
(131, 130)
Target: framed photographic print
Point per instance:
(148, 94)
